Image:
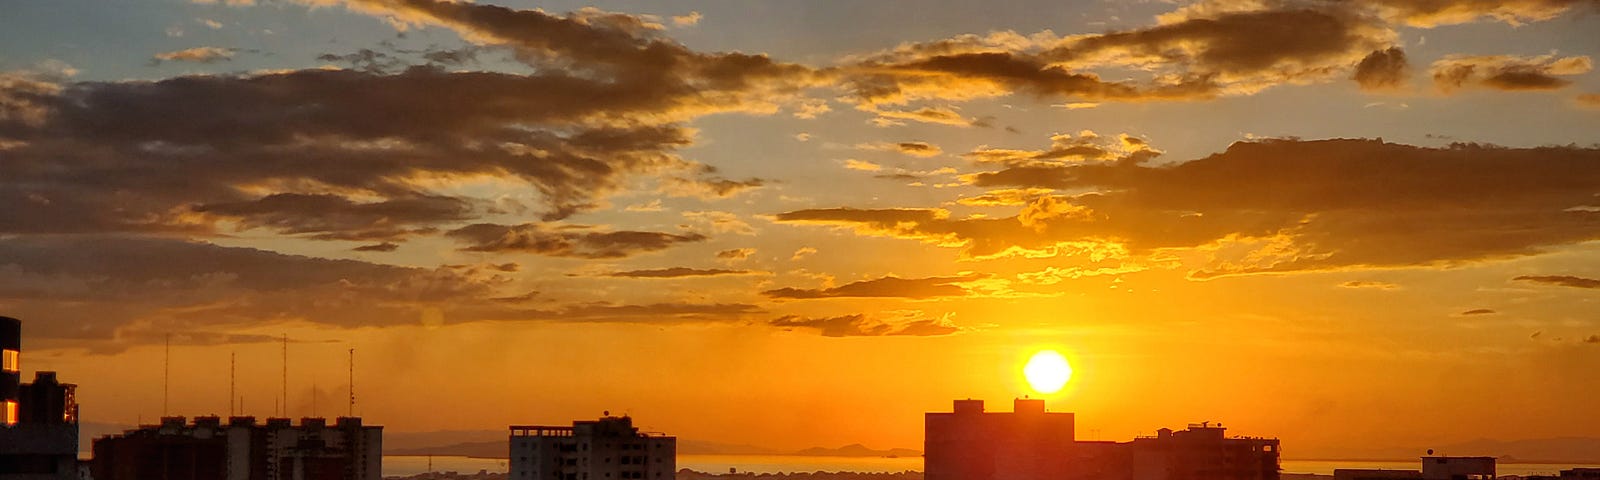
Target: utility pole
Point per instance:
(285, 375)
(233, 370)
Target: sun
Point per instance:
(1047, 372)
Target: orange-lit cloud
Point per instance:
(1507, 72)
(1561, 280)
(916, 288)
(537, 239)
(196, 55)
(861, 325)
(1275, 206)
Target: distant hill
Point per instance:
(1541, 450)
(858, 450)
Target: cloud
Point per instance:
(1432, 13)
(862, 165)
(1274, 206)
(605, 104)
(802, 252)
(1385, 69)
(1561, 280)
(890, 286)
(693, 18)
(915, 149)
(736, 254)
(96, 287)
(678, 272)
(721, 222)
(577, 243)
(196, 55)
(1506, 72)
(1370, 284)
(1478, 311)
(378, 247)
(325, 216)
(859, 325)
(1588, 100)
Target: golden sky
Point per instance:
(793, 224)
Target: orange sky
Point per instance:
(1371, 225)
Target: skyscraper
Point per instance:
(38, 421)
(610, 448)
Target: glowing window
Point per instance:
(9, 363)
(9, 415)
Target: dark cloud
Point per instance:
(1278, 206)
(104, 287)
(859, 325)
(916, 149)
(1592, 339)
(1478, 311)
(606, 103)
(678, 272)
(917, 288)
(606, 312)
(326, 216)
(1385, 69)
(1506, 72)
(538, 239)
(1561, 280)
(378, 247)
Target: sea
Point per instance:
(412, 465)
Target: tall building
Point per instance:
(971, 444)
(610, 448)
(38, 421)
(242, 450)
(1030, 443)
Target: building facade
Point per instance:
(38, 421)
(1433, 468)
(1030, 443)
(610, 448)
(242, 449)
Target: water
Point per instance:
(407, 466)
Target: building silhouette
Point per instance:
(1433, 468)
(38, 421)
(1030, 443)
(242, 449)
(610, 448)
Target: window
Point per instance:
(10, 361)
(8, 414)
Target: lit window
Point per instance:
(11, 360)
(8, 417)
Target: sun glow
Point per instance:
(1047, 372)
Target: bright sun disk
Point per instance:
(1047, 372)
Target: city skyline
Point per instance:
(1330, 221)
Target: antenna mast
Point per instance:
(166, 374)
(233, 368)
(352, 408)
(285, 375)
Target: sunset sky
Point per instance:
(800, 223)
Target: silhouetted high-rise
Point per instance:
(242, 450)
(1032, 444)
(38, 421)
(608, 448)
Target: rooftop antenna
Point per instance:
(166, 374)
(352, 407)
(233, 370)
(285, 375)
(313, 397)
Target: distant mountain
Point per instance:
(406, 441)
(489, 449)
(702, 447)
(1551, 450)
(1541, 450)
(858, 450)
